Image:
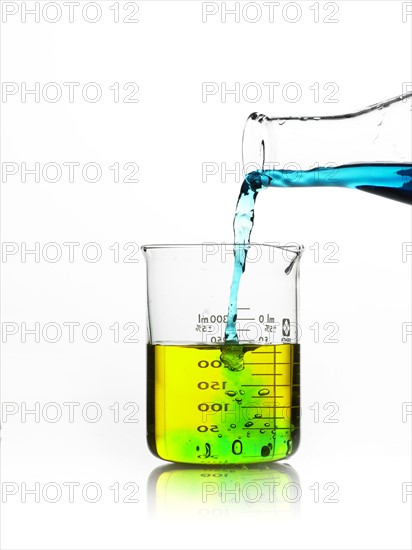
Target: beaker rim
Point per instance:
(298, 248)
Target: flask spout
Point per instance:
(369, 149)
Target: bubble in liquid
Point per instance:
(262, 431)
(242, 392)
(248, 424)
(267, 424)
(265, 451)
(264, 391)
(219, 435)
(231, 393)
(233, 425)
(238, 400)
(258, 416)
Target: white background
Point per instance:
(169, 133)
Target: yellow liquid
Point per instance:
(201, 412)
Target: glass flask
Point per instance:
(209, 401)
(369, 149)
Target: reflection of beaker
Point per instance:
(273, 491)
(215, 403)
(369, 149)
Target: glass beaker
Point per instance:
(369, 149)
(214, 402)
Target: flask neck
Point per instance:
(378, 134)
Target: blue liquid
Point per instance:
(393, 181)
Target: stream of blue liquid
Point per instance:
(392, 181)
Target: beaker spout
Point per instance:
(298, 252)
